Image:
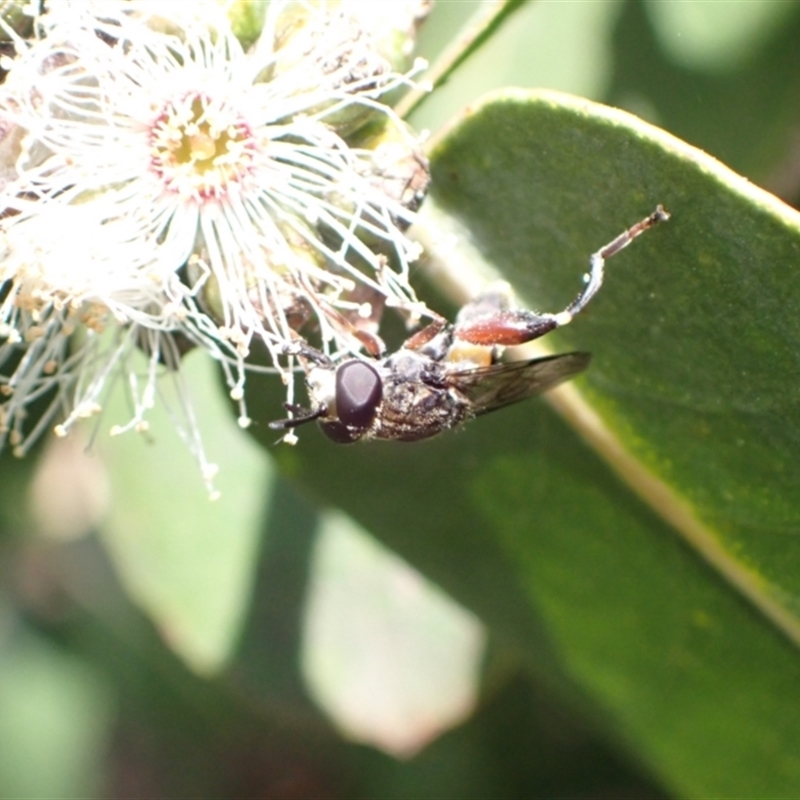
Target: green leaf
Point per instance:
(186, 560)
(55, 716)
(564, 46)
(692, 377)
(519, 521)
(690, 396)
(392, 659)
(481, 25)
(738, 103)
(716, 36)
(705, 398)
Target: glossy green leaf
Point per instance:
(705, 398)
(689, 396)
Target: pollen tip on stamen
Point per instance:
(87, 410)
(33, 333)
(415, 252)
(244, 422)
(210, 471)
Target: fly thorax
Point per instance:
(407, 365)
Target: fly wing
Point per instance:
(499, 385)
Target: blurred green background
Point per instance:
(493, 615)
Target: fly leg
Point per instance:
(306, 353)
(594, 278)
(487, 320)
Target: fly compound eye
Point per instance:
(358, 394)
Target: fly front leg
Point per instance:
(305, 352)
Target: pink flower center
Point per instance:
(201, 148)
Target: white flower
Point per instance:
(79, 303)
(217, 194)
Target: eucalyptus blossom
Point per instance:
(168, 186)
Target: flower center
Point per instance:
(200, 148)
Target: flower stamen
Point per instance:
(199, 148)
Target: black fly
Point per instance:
(446, 373)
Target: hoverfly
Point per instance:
(446, 373)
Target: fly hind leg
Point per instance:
(489, 321)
